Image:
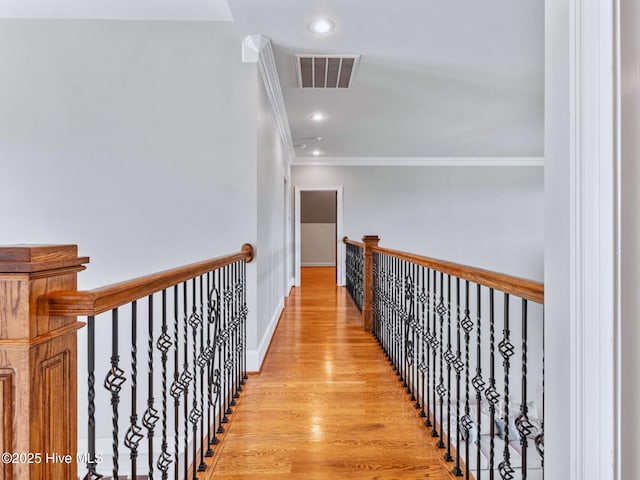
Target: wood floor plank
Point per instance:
(327, 404)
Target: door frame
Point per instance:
(340, 250)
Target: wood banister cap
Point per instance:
(371, 239)
(248, 249)
(25, 258)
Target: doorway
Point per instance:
(317, 225)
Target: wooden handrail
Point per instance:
(523, 288)
(348, 241)
(103, 299)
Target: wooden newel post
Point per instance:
(38, 356)
(369, 241)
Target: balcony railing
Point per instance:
(165, 362)
(468, 346)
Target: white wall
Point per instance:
(630, 258)
(271, 256)
(557, 238)
(488, 217)
(317, 244)
(124, 137)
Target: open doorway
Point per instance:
(318, 228)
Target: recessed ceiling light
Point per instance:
(317, 117)
(301, 146)
(317, 139)
(316, 153)
(322, 25)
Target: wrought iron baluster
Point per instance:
(185, 377)
(478, 382)
(195, 321)
(202, 363)
(441, 389)
(434, 352)
(491, 393)
(164, 344)
(427, 344)
(506, 350)
(176, 386)
(449, 358)
(150, 418)
(523, 424)
(113, 383)
(458, 366)
(133, 435)
(245, 312)
(91, 404)
(220, 344)
(467, 327)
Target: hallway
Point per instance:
(327, 404)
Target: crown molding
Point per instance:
(421, 161)
(257, 49)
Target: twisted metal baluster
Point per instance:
(195, 321)
(467, 327)
(220, 345)
(91, 405)
(245, 313)
(478, 382)
(202, 363)
(150, 418)
(441, 389)
(539, 439)
(133, 435)
(113, 383)
(449, 358)
(427, 347)
(164, 344)
(523, 424)
(176, 386)
(420, 353)
(185, 378)
(506, 350)
(458, 366)
(491, 393)
(434, 352)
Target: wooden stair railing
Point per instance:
(39, 305)
(467, 344)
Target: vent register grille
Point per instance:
(326, 71)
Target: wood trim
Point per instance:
(7, 397)
(528, 289)
(103, 299)
(347, 241)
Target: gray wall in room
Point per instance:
(318, 207)
(318, 228)
(489, 217)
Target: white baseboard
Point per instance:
(292, 283)
(318, 264)
(256, 357)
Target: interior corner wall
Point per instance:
(488, 217)
(271, 220)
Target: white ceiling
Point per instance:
(440, 78)
(437, 78)
(212, 10)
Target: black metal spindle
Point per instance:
(524, 426)
(434, 352)
(194, 414)
(441, 389)
(133, 435)
(113, 383)
(91, 403)
(202, 363)
(449, 358)
(478, 382)
(506, 350)
(176, 386)
(458, 366)
(467, 327)
(150, 418)
(164, 344)
(491, 393)
(185, 378)
(420, 353)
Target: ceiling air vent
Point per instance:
(326, 71)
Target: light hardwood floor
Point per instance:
(327, 404)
